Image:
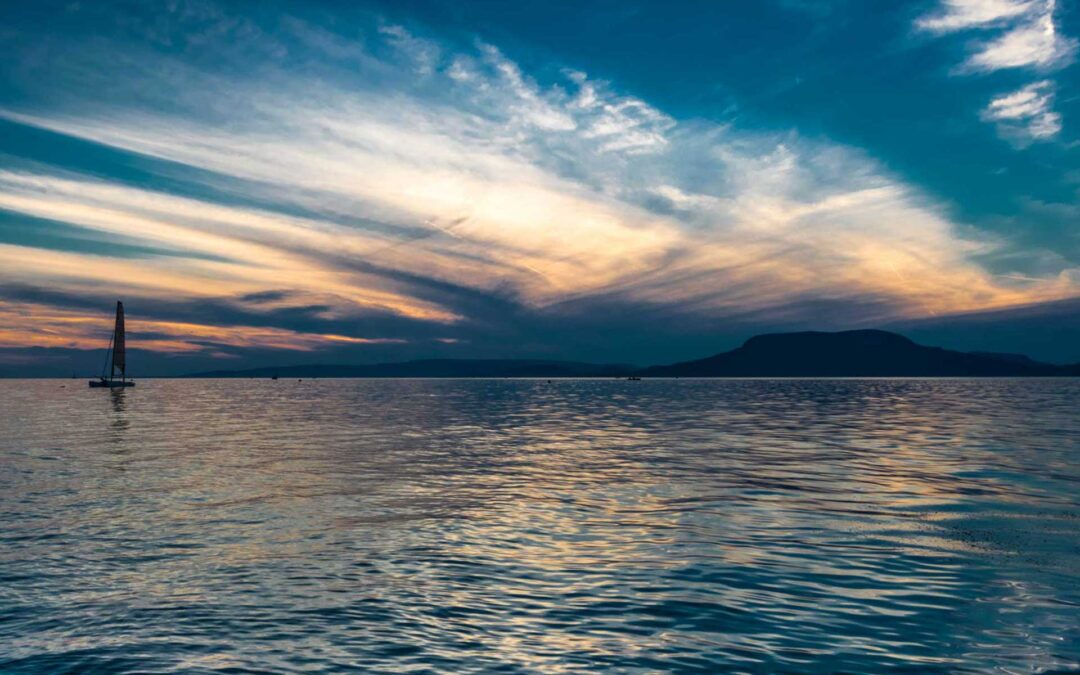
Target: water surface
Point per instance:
(528, 526)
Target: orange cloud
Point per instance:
(36, 325)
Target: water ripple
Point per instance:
(534, 526)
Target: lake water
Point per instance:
(527, 526)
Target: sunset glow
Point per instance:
(395, 186)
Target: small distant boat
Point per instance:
(634, 378)
(116, 357)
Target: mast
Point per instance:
(108, 357)
(119, 353)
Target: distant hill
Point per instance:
(439, 368)
(856, 353)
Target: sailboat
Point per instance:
(116, 356)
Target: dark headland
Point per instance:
(857, 353)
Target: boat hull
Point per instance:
(110, 384)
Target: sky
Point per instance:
(638, 182)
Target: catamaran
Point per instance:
(117, 355)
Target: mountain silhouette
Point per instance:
(855, 353)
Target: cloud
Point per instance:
(955, 15)
(527, 102)
(451, 188)
(1027, 114)
(622, 123)
(258, 247)
(1027, 32)
(424, 54)
(1034, 43)
(23, 324)
(1028, 37)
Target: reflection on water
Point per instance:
(523, 525)
(120, 421)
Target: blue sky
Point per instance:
(284, 183)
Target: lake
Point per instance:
(533, 526)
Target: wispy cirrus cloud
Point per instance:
(954, 15)
(31, 324)
(1026, 36)
(1026, 114)
(1035, 42)
(441, 186)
